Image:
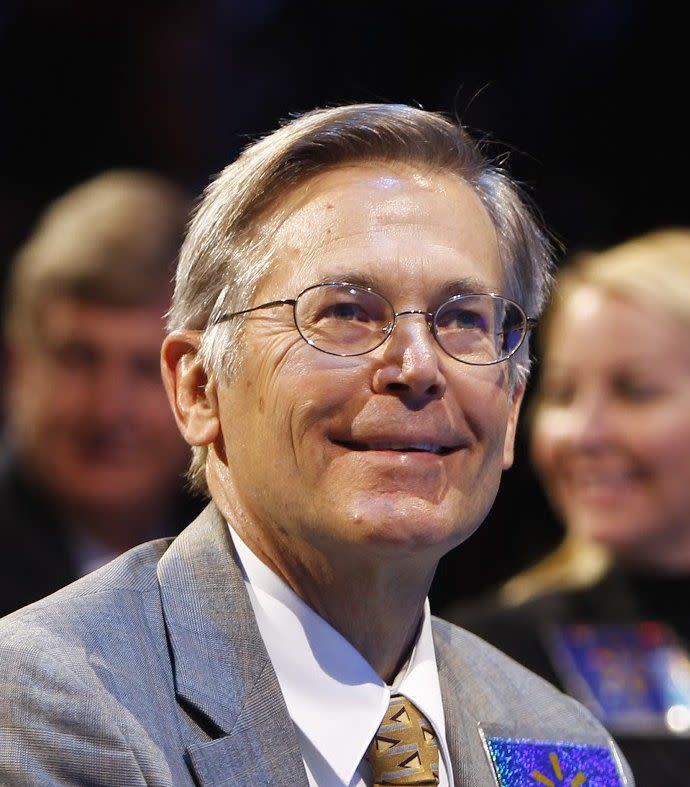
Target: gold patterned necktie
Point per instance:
(404, 749)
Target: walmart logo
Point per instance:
(557, 771)
(517, 762)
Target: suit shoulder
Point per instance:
(117, 589)
(455, 642)
(503, 682)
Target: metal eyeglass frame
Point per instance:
(529, 322)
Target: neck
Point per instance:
(374, 599)
(381, 618)
(376, 603)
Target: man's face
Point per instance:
(400, 449)
(88, 410)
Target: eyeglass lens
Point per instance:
(348, 320)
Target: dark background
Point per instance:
(588, 97)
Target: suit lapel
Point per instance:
(220, 665)
(464, 704)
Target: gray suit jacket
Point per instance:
(152, 671)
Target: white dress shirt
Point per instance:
(333, 695)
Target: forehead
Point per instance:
(388, 225)
(66, 319)
(601, 328)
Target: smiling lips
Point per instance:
(397, 445)
(602, 484)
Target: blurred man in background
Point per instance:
(91, 462)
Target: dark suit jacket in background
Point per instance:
(35, 546)
(152, 671)
(620, 597)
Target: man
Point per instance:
(346, 356)
(92, 461)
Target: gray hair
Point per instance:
(111, 240)
(228, 251)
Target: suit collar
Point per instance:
(220, 665)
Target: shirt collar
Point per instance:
(333, 695)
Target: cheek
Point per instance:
(488, 408)
(33, 393)
(151, 407)
(665, 448)
(307, 388)
(71, 395)
(258, 406)
(52, 407)
(162, 430)
(545, 440)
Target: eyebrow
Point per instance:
(449, 288)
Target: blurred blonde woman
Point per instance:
(610, 438)
(611, 429)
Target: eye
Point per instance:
(556, 393)
(346, 311)
(461, 318)
(76, 356)
(637, 391)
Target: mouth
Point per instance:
(401, 447)
(603, 485)
(602, 474)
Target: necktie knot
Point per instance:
(404, 750)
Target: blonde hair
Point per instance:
(111, 240)
(229, 249)
(574, 564)
(652, 270)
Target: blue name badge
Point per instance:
(635, 678)
(519, 762)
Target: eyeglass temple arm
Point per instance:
(530, 323)
(229, 315)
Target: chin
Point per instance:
(415, 524)
(613, 531)
(103, 491)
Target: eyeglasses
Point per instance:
(347, 320)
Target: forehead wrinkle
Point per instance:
(376, 275)
(398, 207)
(449, 288)
(320, 249)
(314, 232)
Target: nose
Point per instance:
(111, 398)
(410, 367)
(590, 422)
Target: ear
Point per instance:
(191, 392)
(511, 429)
